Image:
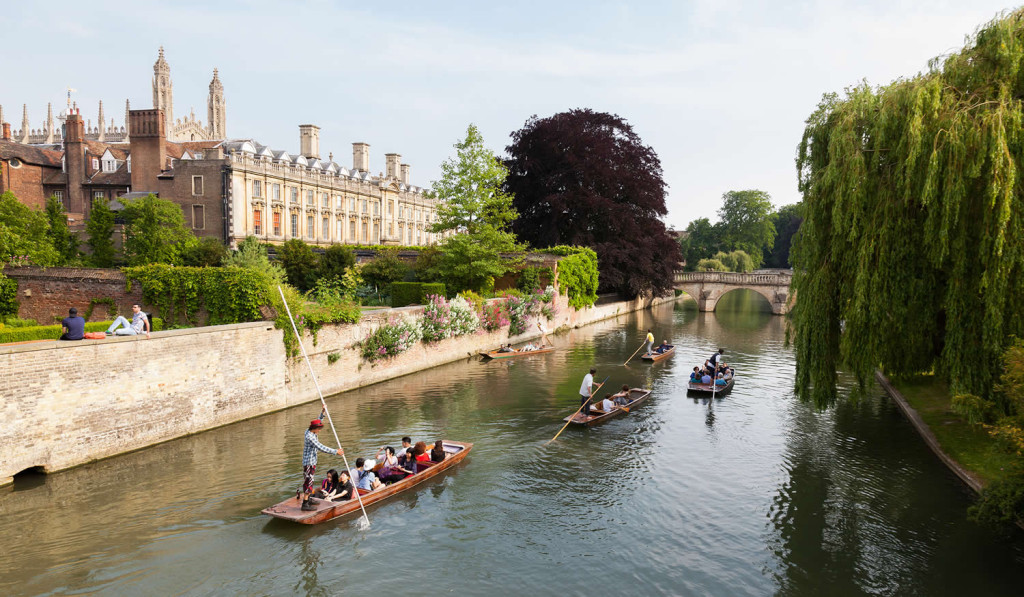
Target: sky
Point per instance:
(719, 88)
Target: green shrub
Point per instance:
(208, 252)
(530, 278)
(713, 265)
(1001, 502)
(577, 274)
(300, 263)
(973, 408)
(228, 294)
(473, 299)
(405, 293)
(430, 288)
(52, 332)
(385, 269)
(390, 339)
(8, 296)
(332, 357)
(14, 322)
(336, 260)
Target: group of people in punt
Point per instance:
(529, 347)
(714, 369)
(367, 474)
(610, 402)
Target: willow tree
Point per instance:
(911, 252)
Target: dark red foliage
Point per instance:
(585, 178)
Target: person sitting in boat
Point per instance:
(406, 445)
(437, 453)
(506, 348)
(706, 378)
(407, 462)
(606, 405)
(345, 490)
(420, 452)
(720, 381)
(363, 475)
(622, 398)
(695, 376)
(529, 346)
(390, 471)
(662, 348)
(329, 486)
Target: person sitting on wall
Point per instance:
(72, 326)
(139, 323)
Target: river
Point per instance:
(753, 494)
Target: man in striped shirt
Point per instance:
(309, 452)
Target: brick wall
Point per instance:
(46, 294)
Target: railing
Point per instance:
(738, 279)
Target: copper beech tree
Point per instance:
(585, 178)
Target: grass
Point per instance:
(970, 445)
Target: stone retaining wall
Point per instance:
(63, 404)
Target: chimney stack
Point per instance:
(309, 140)
(391, 161)
(361, 157)
(7, 131)
(405, 174)
(74, 162)
(147, 147)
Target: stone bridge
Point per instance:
(707, 287)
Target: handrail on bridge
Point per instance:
(770, 279)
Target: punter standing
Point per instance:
(650, 341)
(587, 391)
(309, 452)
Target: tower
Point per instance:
(309, 140)
(127, 129)
(24, 124)
(49, 123)
(103, 126)
(163, 90)
(215, 109)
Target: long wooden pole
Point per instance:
(322, 401)
(592, 390)
(634, 354)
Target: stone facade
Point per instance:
(708, 287)
(68, 403)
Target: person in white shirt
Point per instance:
(587, 391)
(607, 405)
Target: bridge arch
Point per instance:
(708, 287)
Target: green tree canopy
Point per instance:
(335, 260)
(154, 232)
(911, 252)
(478, 214)
(24, 232)
(61, 237)
(300, 263)
(99, 227)
(385, 268)
(702, 240)
(747, 223)
(252, 254)
(787, 222)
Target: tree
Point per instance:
(747, 223)
(251, 254)
(385, 269)
(208, 252)
(154, 231)
(585, 178)
(702, 240)
(787, 221)
(335, 260)
(61, 237)
(99, 228)
(300, 264)
(911, 252)
(24, 233)
(474, 206)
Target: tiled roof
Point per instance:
(29, 154)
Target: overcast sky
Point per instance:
(719, 88)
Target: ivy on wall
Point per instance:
(108, 301)
(180, 294)
(577, 274)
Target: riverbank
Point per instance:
(967, 450)
(66, 404)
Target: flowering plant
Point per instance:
(443, 319)
(492, 317)
(391, 339)
(520, 311)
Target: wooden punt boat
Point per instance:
(494, 354)
(705, 388)
(657, 356)
(290, 509)
(636, 396)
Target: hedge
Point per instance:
(52, 332)
(8, 296)
(413, 293)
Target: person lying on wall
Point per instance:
(139, 323)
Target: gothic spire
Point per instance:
(103, 126)
(49, 123)
(24, 124)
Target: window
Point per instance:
(391, 208)
(400, 211)
(277, 223)
(257, 222)
(310, 229)
(341, 229)
(59, 195)
(376, 208)
(366, 232)
(325, 201)
(364, 207)
(337, 201)
(276, 190)
(326, 229)
(309, 198)
(16, 163)
(95, 163)
(295, 225)
(376, 233)
(257, 188)
(197, 185)
(352, 230)
(198, 217)
(295, 195)
(109, 165)
(391, 229)
(351, 203)
(410, 236)
(99, 194)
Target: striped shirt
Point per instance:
(312, 445)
